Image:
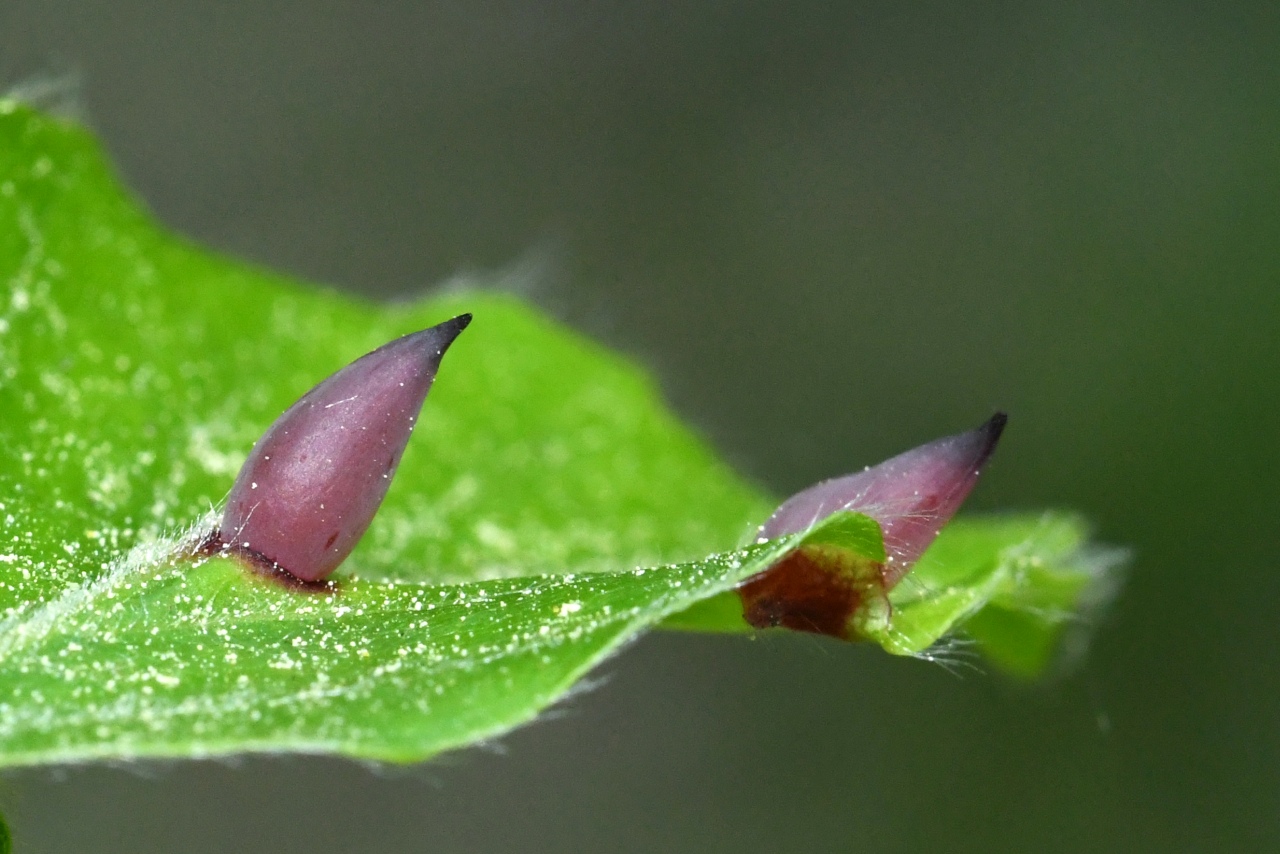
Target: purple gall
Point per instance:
(911, 496)
(313, 482)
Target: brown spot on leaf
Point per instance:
(812, 589)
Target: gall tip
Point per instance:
(436, 339)
(991, 430)
(457, 324)
(980, 443)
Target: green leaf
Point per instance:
(136, 371)
(1015, 584)
(1044, 580)
(167, 661)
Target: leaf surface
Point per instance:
(137, 370)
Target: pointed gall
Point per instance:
(313, 482)
(911, 495)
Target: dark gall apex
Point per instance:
(911, 495)
(314, 481)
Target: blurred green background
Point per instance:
(834, 231)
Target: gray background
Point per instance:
(834, 231)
